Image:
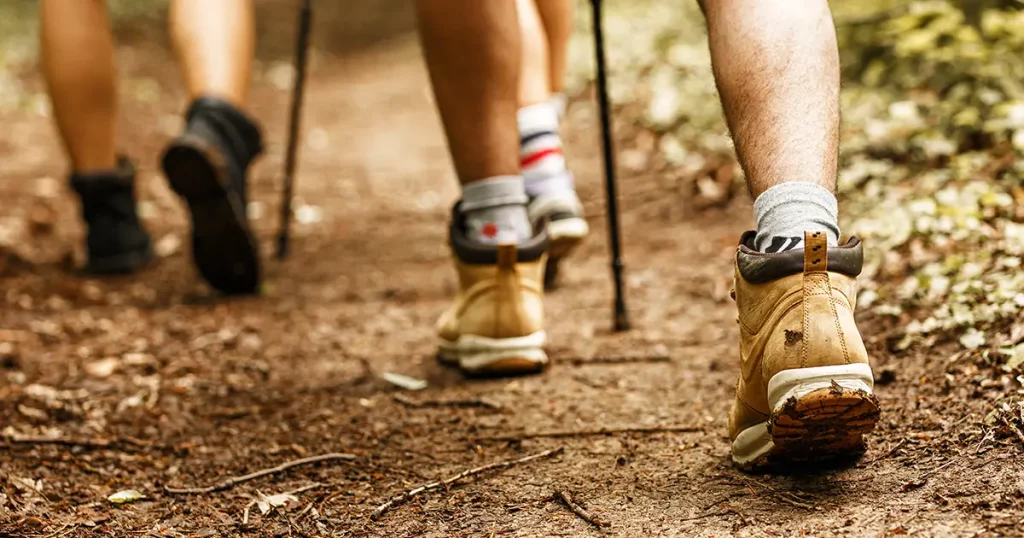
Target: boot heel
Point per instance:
(821, 412)
(481, 356)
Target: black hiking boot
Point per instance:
(116, 242)
(207, 165)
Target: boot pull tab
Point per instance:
(507, 254)
(815, 252)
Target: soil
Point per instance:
(153, 380)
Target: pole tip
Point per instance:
(282, 247)
(621, 322)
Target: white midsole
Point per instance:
(755, 441)
(574, 228)
(802, 381)
(474, 352)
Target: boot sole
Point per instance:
(121, 264)
(478, 356)
(564, 236)
(224, 249)
(819, 415)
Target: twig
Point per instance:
(12, 441)
(702, 516)
(586, 433)
(620, 359)
(235, 480)
(579, 510)
(888, 454)
(446, 483)
(60, 531)
(791, 499)
(472, 402)
(1013, 427)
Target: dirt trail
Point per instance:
(206, 388)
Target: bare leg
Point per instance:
(215, 43)
(534, 79)
(78, 64)
(556, 16)
(473, 52)
(495, 324)
(546, 26)
(776, 63)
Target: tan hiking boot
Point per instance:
(805, 388)
(495, 326)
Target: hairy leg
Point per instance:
(776, 63)
(78, 64)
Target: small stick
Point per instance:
(586, 433)
(446, 483)
(235, 480)
(1013, 427)
(474, 402)
(579, 510)
(619, 359)
(890, 453)
(12, 441)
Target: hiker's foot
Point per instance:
(116, 242)
(495, 326)
(567, 227)
(207, 165)
(805, 390)
(549, 184)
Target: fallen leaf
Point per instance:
(32, 412)
(404, 381)
(286, 501)
(126, 496)
(103, 367)
(262, 503)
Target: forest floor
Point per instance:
(153, 381)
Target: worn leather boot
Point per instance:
(805, 388)
(495, 326)
(207, 166)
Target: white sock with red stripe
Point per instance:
(540, 151)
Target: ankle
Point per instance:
(495, 210)
(785, 211)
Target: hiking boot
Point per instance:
(207, 165)
(116, 242)
(495, 326)
(567, 227)
(805, 389)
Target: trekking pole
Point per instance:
(621, 315)
(301, 53)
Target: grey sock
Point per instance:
(785, 211)
(495, 210)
